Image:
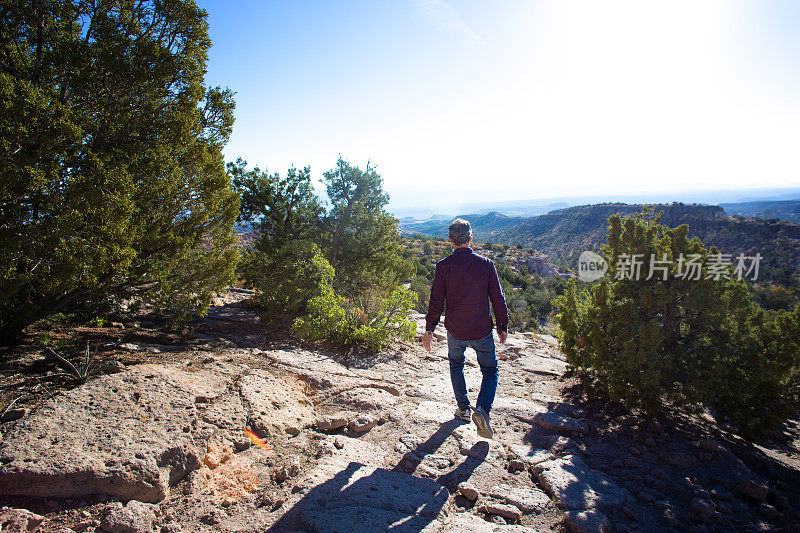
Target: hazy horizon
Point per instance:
(524, 207)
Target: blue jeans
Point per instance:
(487, 360)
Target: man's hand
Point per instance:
(503, 336)
(426, 340)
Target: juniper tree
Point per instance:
(113, 181)
(683, 336)
(361, 239)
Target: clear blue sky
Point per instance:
(473, 100)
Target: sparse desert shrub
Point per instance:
(335, 318)
(685, 341)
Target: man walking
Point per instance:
(467, 282)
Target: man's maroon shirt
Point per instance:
(467, 282)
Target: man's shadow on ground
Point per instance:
(360, 498)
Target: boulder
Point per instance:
(506, 511)
(527, 500)
(469, 523)
(332, 422)
(130, 435)
(19, 520)
(536, 413)
(468, 490)
(363, 423)
(576, 487)
(134, 517)
(352, 496)
(587, 521)
(278, 406)
(752, 489)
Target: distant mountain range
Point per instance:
(564, 233)
(786, 210)
(530, 207)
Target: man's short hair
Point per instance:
(460, 231)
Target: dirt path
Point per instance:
(373, 446)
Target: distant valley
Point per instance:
(564, 233)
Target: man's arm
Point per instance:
(435, 306)
(498, 300)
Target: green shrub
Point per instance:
(683, 341)
(333, 317)
(288, 278)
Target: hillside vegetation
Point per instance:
(563, 234)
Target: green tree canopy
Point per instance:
(285, 265)
(686, 340)
(113, 178)
(362, 242)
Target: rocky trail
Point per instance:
(371, 444)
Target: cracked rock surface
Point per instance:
(372, 444)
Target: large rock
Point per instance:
(130, 435)
(359, 497)
(586, 521)
(469, 523)
(536, 413)
(135, 517)
(527, 500)
(433, 412)
(530, 455)
(364, 398)
(134, 434)
(278, 406)
(19, 520)
(576, 487)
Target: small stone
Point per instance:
(515, 465)
(130, 347)
(709, 445)
(645, 497)
(13, 414)
(293, 468)
(768, 511)
(781, 502)
(339, 443)
(700, 492)
(630, 462)
(331, 422)
(363, 423)
(468, 491)
(752, 489)
(506, 511)
(650, 441)
(630, 512)
(587, 521)
(499, 520)
(701, 508)
(721, 494)
(617, 463)
(19, 520)
(635, 451)
(172, 528)
(135, 517)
